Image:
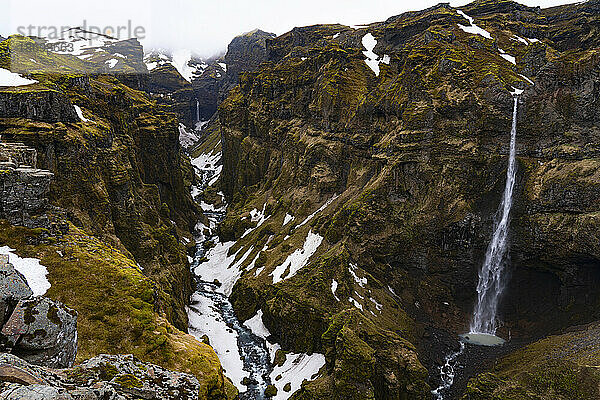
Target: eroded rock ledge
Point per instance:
(113, 377)
(23, 188)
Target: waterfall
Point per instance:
(197, 111)
(491, 279)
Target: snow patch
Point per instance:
(80, 114)
(355, 303)
(378, 306)
(369, 42)
(520, 39)
(181, 61)
(361, 281)
(507, 56)
(527, 79)
(296, 369)
(8, 78)
(34, 272)
(186, 138)
(288, 218)
(324, 206)
(223, 66)
(204, 319)
(298, 258)
(256, 325)
(222, 267)
(473, 29)
(258, 217)
(112, 62)
(334, 286)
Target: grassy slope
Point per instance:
(116, 304)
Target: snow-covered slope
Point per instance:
(186, 63)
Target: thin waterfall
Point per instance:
(197, 111)
(491, 275)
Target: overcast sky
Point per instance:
(205, 27)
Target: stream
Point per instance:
(244, 355)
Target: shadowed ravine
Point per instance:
(253, 350)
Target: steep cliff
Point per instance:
(389, 143)
(119, 178)
(245, 53)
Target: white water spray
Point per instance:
(491, 277)
(447, 373)
(197, 111)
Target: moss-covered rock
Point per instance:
(404, 170)
(558, 367)
(118, 306)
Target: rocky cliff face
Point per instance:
(119, 174)
(390, 142)
(24, 194)
(245, 53)
(119, 177)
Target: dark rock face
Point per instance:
(13, 287)
(100, 378)
(207, 90)
(168, 87)
(245, 53)
(39, 105)
(42, 332)
(25, 189)
(130, 184)
(417, 158)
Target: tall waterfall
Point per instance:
(491, 277)
(197, 111)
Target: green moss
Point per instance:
(107, 371)
(116, 305)
(128, 381)
(271, 391)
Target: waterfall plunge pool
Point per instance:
(481, 339)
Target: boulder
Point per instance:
(106, 377)
(13, 287)
(43, 332)
(34, 392)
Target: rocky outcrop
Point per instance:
(168, 87)
(114, 377)
(24, 188)
(13, 288)
(36, 103)
(40, 330)
(245, 53)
